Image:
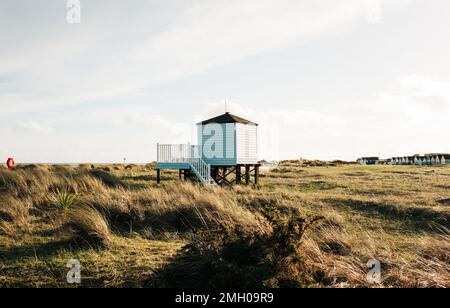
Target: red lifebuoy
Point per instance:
(10, 163)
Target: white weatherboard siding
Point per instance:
(246, 144)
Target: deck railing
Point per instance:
(187, 154)
(177, 153)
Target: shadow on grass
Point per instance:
(357, 174)
(191, 269)
(39, 250)
(379, 192)
(415, 218)
(237, 263)
(145, 181)
(146, 178)
(319, 185)
(444, 202)
(106, 178)
(176, 220)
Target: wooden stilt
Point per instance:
(224, 173)
(158, 176)
(247, 174)
(256, 175)
(238, 174)
(214, 174)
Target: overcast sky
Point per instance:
(325, 79)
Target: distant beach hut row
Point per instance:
(428, 160)
(417, 160)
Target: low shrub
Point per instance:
(230, 258)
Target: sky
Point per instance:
(325, 79)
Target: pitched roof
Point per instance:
(227, 118)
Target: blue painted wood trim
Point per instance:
(173, 166)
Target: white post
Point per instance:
(157, 152)
(190, 151)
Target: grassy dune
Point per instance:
(306, 226)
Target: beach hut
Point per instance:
(370, 160)
(227, 152)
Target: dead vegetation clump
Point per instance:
(87, 226)
(229, 257)
(13, 213)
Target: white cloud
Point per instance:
(34, 127)
(26, 127)
(427, 91)
(84, 62)
(412, 118)
(166, 130)
(437, 103)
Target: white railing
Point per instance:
(202, 170)
(189, 154)
(177, 153)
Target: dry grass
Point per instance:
(392, 214)
(398, 215)
(88, 226)
(182, 208)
